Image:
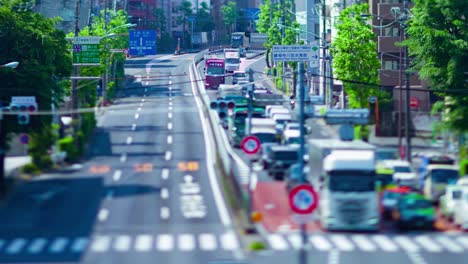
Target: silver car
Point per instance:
(238, 75)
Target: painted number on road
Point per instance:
(99, 169)
(143, 167)
(188, 166)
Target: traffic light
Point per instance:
(23, 109)
(222, 107)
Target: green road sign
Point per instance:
(86, 50)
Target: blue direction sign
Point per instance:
(142, 42)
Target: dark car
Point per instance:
(415, 211)
(279, 159)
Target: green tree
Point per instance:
(355, 58)
(205, 21)
(438, 45)
(187, 11)
(229, 15)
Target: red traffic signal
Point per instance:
(231, 105)
(32, 108)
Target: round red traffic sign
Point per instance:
(24, 139)
(303, 199)
(250, 144)
(414, 102)
(125, 51)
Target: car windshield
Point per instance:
(232, 60)
(351, 181)
(293, 140)
(444, 176)
(416, 204)
(384, 178)
(214, 71)
(285, 155)
(386, 154)
(391, 195)
(402, 169)
(266, 137)
(239, 75)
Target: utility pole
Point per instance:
(324, 52)
(283, 29)
(105, 77)
(407, 87)
(76, 70)
(250, 89)
(303, 251)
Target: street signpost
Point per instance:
(142, 42)
(86, 50)
(414, 102)
(250, 145)
(302, 53)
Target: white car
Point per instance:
(403, 173)
(460, 212)
(448, 201)
(239, 75)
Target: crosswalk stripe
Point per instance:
(320, 243)
(186, 242)
(122, 243)
(461, 240)
(229, 241)
(165, 242)
(58, 245)
(143, 243)
(342, 243)
(277, 242)
(16, 246)
(100, 243)
(37, 245)
(406, 243)
(363, 243)
(207, 242)
(428, 244)
(385, 243)
(295, 240)
(449, 244)
(79, 245)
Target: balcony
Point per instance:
(387, 44)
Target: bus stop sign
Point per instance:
(303, 199)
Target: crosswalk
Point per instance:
(434, 243)
(183, 242)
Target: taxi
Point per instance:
(414, 210)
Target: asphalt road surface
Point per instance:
(144, 195)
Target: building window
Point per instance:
(392, 32)
(391, 65)
(175, 9)
(174, 22)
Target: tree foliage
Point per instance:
(44, 62)
(229, 15)
(205, 21)
(438, 44)
(355, 58)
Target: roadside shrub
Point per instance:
(257, 246)
(39, 145)
(67, 144)
(30, 168)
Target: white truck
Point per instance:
(232, 60)
(344, 173)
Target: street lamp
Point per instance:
(11, 65)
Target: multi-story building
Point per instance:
(142, 13)
(65, 9)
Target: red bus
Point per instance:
(214, 73)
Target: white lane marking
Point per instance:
(103, 214)
(141, 104)
(165, 242)
(100, 243)
(229, 241)
(363, 243)
(144, 243)
(146, 83)
(405, 243)
(117, 175)
(122, 243)
(169, 139)
(463, 241)
(320, 242)
(129, 140)
(170, 99)
(169, 125)
(58, 245)
(428, 244)
(449, 244)
(168, 155)
(165, 213)
(170, 102)
(164, 193)
(170, 82)
(207, 242)
(186, 242)
(334, 257)
(139, 109)
(342, 243)
(123, 158)
(277, 242)
(134, 127)
(385, 243)
(169, 115)
(79, 245)
(143, 100)
(169, 108)
(37, 245)
(16, 246)
(210, 160)
(295, 240)
(165, 174)
(137, 116)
